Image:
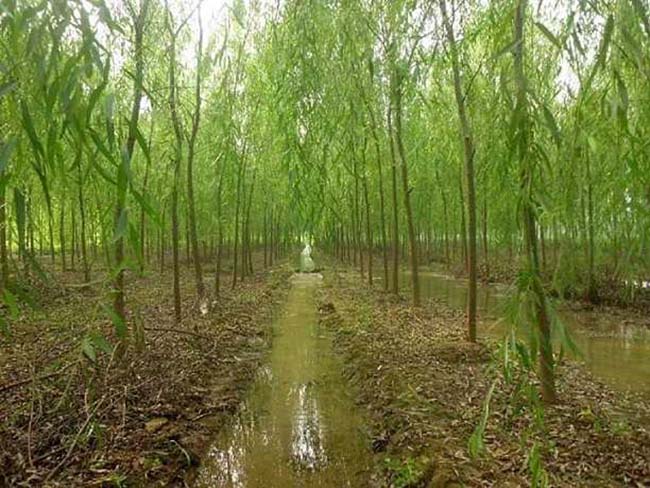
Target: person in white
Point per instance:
(306, 262)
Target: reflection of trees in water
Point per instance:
(229, 461)
(307, 445)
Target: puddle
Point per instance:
(615, 352)
(299, 425)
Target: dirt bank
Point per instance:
(424, 388)
(139, 419)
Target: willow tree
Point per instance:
(196, 119)
(523, 139)
(177, 151)
(467, 138)
(138, 18)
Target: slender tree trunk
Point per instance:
(247, 261)
(120, 208)
(395, 267)
(468, 146)
(74, 251)
(485, 239)
(236, 233)
(368, 228)
(177, 157)
(64, 266)
(162, 233)
(4, 262)
(198, 272)
(524, 133)
(82, 216)
(415, 279)
(143, 215)
(50, 229)
(271, 238)
(264, 239)
(592, 292)
(382, 207)
(443, 194)
(463, 224)
(356, 221)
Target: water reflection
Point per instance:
(614, 351)
(307, 444)
(298, 426)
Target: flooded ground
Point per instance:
(298, 426)
(614, 350)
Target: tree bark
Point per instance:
(395, 266)
(415, 279)
(120, 208)
(523, 134)
(198, 272)
(178, 151)
(468, 147)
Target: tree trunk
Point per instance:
(368, 228)
(395, 267)
(236, 232)
(415, 279)
(120, 208)
(64, 266)
(485, 239)
(4, 262)
(198, 272)
(82, 216)
(468, 147)
(177, 156)
(523, 134)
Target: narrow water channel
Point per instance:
(617, 353)
(299, 426)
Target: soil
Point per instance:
(137, 416)
(424, 388)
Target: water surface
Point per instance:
(298, 426)
(614, 350)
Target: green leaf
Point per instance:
(143, 144)
(552, 124)
(549, 35)
(476, 445)
(100, 342)
(10, 301)
(28, 124)
(641, 11)
(146, 206)
(102, 147)
(118, 323)
(88, 349)
(7, 88)
(122, 225)
(5, 153)
(604, 43)
(5, 328)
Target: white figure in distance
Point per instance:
(306, 262)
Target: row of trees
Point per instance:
(117, 149)
(439, 129)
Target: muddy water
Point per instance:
(298, 426)
(617, 353)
